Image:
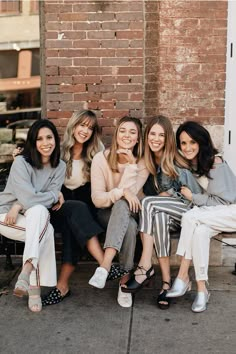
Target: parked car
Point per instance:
(20, 130)
(14, 134)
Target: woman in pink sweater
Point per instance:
(117, 177)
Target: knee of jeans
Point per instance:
(132, 228)
(121, 205)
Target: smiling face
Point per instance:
(156, 139)
(127, 136)
(83, 131)
(189, 147)
(45, 144)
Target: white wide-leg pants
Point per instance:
(198, 226)
(35, 230)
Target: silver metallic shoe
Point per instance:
(179, 288)
(200, 302)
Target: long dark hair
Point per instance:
(30, 152)
(207, 150)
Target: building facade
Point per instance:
(135, 57)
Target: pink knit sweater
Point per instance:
(108, 187)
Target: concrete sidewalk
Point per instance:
(91, 321)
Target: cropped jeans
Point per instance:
(199, 225)
(121, 231)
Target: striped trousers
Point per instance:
(159, 216)
(35, 230)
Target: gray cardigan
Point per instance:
(29, 186)
(221, 188)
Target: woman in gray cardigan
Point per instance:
(214, 210)
(33, 186)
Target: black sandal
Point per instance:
(54, 297)
(162, 297)
(132, 286)
(116, 272)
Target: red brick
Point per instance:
(86, 26)
(101, 17)
(87, 96)
(73, 17)
(74, 35)
(86, 44)
(86, 62)
(115, 79)
(50, 43)
(114, 61)
(51, 35)
(72, 105)
(99, 71)
(129, 88)
(64, 71)
(114, 114)
(129, 52)
(86, 79)
(59, 61)
(130, 16)
(129, 34)
(129, 105)
(72, 88)
(115, 25)
(100, 34)
(130, 70)
(101, 52)
(53, 80)
(115, 43)
(67, 53)
(59, 97)
(52, 88)
(51, 70)
(101, 105)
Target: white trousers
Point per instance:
(35, 230)
(198, 226)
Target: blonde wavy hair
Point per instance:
(112, 157)
(90, 147)
(171, 156)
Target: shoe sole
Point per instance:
(20, 292)
(133, 291)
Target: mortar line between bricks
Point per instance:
(130, 325)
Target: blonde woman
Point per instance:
(163, 206)
(77, 218)
(117, 176)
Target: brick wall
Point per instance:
(134, 57)
(192, 59)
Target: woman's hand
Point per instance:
(128, 155)
(186, 192)
(11, 217)
(16, 152)
(61, 201)
(132, 199)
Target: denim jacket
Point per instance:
(164, 183)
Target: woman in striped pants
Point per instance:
(163, 206)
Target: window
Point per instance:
(10, 6)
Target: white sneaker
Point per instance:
(124, 299)
(99, 278)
